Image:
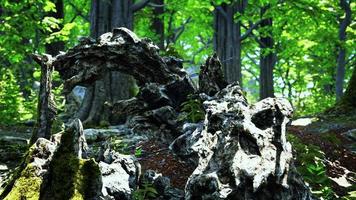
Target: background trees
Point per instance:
(301, 49)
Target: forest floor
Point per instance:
(336, 137)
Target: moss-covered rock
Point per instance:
(27, 180)
(56, 171)
(71, 177)
(27, 186)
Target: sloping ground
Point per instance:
(335, 136)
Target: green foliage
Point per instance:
(11, 101)
(146, 191)
(192, 110)
(119, 146)
(138, 151)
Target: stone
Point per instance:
(79, 93)
(160, 182)
(211, 77)
(120, 174)
(164, 115)
(78, 139)
(14, 140)
(185, 144)
(33, 172)
(242, 151)
(350, 134)
(162, 185)
(96, 135)
(155, 95)
(123, 109)
(3, 167)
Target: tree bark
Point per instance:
(54, 47)
(349, 98)
(267, 56)
(46, 107)
(340, 71)
(158, 23)
(106, 15)
(227, 42)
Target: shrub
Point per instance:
(11, 100)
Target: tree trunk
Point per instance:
(54, 47)
(46, 107)
(158, 23)
(106, 15)
(349, 98)
(267, 57)
(227, 42)
(340, 71)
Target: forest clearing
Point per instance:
(173, 100)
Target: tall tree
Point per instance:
(227, 42)
(106, 15)
(228, 37)
(158, 21)
(53, 48)
(349, 98)
(267, 55)
(341, 59)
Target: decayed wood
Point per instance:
(46, 107)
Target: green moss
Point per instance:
(70, 177)
(27, 186)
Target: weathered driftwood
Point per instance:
(46, 107)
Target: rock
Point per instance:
(73, 101)
(179, 90)
(164, 115)
(122, 109)
(243, 152)
(14, 140)
(78, 139)
(56, 170)
(162, 186)
(120, 174)
(87, 62)
(12, 148)
(79, 93)
(30, 123)
(185, 144)
(95, 135)
(160, 182)
(211, 77)
(3, 167)
(33, 172)
(155, 95)
(350, 134)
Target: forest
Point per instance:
(177, 99)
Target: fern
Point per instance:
(146, 192)
(192, 110)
